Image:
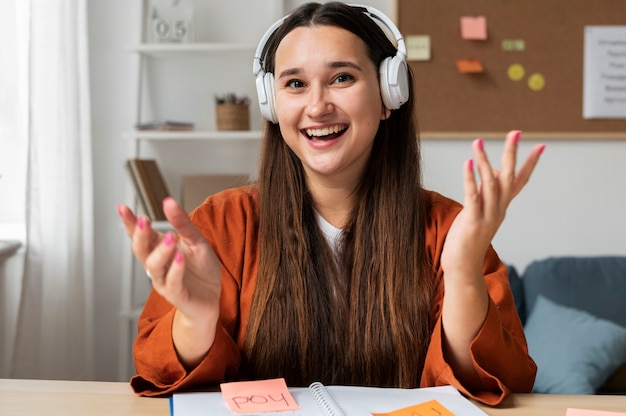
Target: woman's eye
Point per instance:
(343, 78)
(295, 84)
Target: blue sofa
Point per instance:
(574, 315)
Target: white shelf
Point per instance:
(245, 135)
(8, 248)
(163, 49)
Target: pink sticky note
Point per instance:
(474, 27)
(586, 412)
(258, 396)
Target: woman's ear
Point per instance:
(385, 114)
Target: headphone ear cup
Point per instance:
(271, 93)
(394, 82)
(266, 96)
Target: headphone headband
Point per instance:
(393, 70)
(377, 14)
(257, 66)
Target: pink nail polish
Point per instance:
(542, 148)
(169, 238)
(517, 136)
(470, 164)
(481, 144)
(178, 257)
(140, 223)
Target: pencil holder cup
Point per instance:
(232, 117)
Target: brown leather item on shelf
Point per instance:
(149, 185)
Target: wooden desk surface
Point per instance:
(70, 398)
(93, 398)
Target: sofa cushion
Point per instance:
(575, 351)
(594, 284)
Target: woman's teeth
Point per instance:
(318, 133)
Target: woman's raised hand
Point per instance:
(485, 203)
(465, 303)
(184, 270)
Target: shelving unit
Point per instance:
(251, 135)
(178, 81)
(161, 49)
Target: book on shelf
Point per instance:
(274, 398)
(167, 125)
(150, 186)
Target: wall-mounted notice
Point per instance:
(604, 80)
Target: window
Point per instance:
(13, 117)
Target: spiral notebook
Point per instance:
(320, 400)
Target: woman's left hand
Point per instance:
(465, 303)
(485, 205)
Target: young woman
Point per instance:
(336, 266)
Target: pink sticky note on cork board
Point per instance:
(474, 27)
(258, 396)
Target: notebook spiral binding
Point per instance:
(325, 401)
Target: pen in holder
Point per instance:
(232, 113)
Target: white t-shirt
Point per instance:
(331, 233)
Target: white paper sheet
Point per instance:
(604, 84)
(354, 401)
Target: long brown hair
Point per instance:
(362, 317)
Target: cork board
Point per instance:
(553, 46)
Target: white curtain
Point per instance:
(54, 328)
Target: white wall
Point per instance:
(574, 204)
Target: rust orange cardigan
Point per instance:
(229, 221)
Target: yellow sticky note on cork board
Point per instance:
(474, 27)
(429, 408)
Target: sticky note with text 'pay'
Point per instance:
(246, 397)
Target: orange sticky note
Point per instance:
(474, 27)
(469, 66)
(258, 396)
(429, 408)
(585, 412)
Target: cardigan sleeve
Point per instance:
(499, 351)
(158, 369)
(228, 221)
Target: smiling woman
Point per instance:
(336, 265)
(328, 104)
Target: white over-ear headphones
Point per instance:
(394, 84)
